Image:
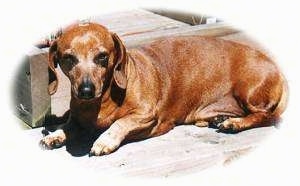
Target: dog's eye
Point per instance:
(102, 59)
(69, 60)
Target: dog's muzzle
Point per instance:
(86, 89)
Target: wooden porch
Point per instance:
(185, 149)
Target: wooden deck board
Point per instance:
(185, 149)
(136, 21)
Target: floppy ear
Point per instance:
(52, 64)
(119, 69)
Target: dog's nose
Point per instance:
(86, 90)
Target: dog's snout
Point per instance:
(86, 90)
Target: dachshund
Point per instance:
(146, 91)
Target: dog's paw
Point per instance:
(231, 125)
(54, 140)
(105, 144)
(202, 124)
(216, 122)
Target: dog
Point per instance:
(146, 91)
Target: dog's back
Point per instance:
(199, 78)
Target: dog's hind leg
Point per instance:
(215, 113)
(262, 103)
(233, 125)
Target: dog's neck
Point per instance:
(113, 103)
(99, 112)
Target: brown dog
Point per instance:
(146, 91)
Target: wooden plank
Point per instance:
(185, 149)
(186, 17)
(22, 92)
(216, 30)
(31, 98)
(136, 21)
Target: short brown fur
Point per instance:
(146, 91)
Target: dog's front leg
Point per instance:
(57, 138)
(111, 139)
(54, 140)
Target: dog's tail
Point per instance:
(282, 104)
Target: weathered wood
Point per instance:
(136, 21)
(185, 149)
(186, 17)
(31, 99)
(216, 30)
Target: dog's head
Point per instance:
(91, 57)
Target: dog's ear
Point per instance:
(52, 64)
(119, 68)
